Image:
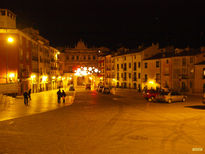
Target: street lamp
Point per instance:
(10, 40)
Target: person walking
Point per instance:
(29, 94)
(25, 94)
(59, 95)
(63, 96)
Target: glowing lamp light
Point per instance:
(10, 40)
(90, 68)
(151, 82)
(96, 70)
(11, 75)
(53, 77)
(33, 76)
(63, 78)
(44, 78)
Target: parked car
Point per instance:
(88, 86)
(100, 88)
(106, 90)
(150, 95)
(170, 97)
(71, 88)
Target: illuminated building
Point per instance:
(26, 55)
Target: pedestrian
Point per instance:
(59, 95)
(29, 94)
(25, 94)
(63, 96)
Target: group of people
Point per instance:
(61, 95)
(27, 95)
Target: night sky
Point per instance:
(114, 23)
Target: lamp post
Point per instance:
(10, 41)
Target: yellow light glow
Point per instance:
(44, 78)
(63, 78)
(96, 70)
(90, 68)
(151, 82)
(53, 77)
(33, 76)
(59, 78)
(10, 40)
(90, 78)
(11, 75)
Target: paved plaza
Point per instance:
(96, 123)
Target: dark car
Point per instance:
(106, 90)
(100, 88)
(150, 95)
(71, 88)
(88, 86)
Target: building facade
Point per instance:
(26, 57)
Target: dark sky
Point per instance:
(114, 23)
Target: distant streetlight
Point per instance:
(10, 41)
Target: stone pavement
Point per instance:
(40, 102)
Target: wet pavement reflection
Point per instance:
(40, 102)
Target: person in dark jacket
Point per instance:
(59, 95)
(63, 96)
(25, 94)
(29, 94)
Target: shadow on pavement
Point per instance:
(201, 107)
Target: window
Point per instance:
(157, 76)
(121, 65)
(3, 12)
(145, 77)
(130, 75)
(157, 64)
(121, 75)
(84, 57)
(73, 57)
(89, 57)
(167, 61)
(138, 64)
(77, 57)
(129, 65)
(118, 77)
(135, 86)
(124, 57)
(135, 76)
(138, 75)
(125, 76)
(118, 67)
(135, 57)
(145, 65)
(125, 66)
(183, 61)
(93, 57)
(135, 66)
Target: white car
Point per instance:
(170, 97)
